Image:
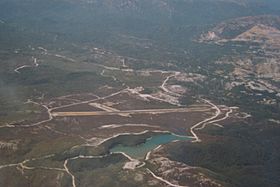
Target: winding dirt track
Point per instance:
(207, 120)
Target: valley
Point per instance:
(139, 93)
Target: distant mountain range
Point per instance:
(235, 27)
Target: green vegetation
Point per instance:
(244, 154)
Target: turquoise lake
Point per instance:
(141, 150)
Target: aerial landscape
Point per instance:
(139, 93)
